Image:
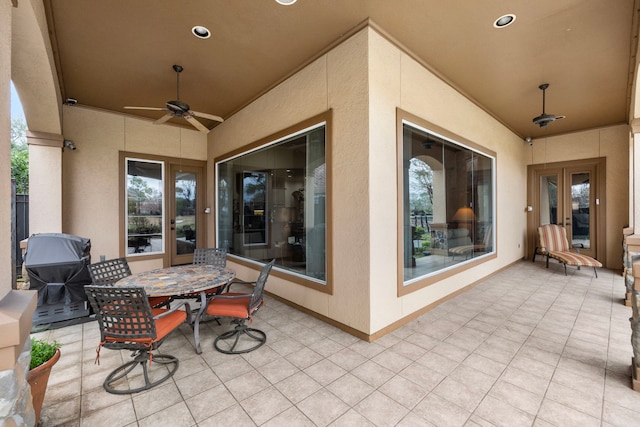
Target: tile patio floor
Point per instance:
(526, 347)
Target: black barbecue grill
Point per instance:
(57, 267)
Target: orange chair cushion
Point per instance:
(229, 307)
(164, 326)
(153, 301)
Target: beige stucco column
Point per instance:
(16, 307)
(45, 182)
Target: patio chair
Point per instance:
(127, 322)
(468, 250)
(106, 273)
(211, 256)
(241, 307)
(553, 243)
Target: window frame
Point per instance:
(325, 119)
(163, 203)
(407, 287)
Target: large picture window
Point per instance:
(447, 203)
(145, 206)
(272, 203)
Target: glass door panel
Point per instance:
(548, 199)
(580, 198)
(185, 220)
(580, 202)
(185, 213)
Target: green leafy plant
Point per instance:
(41, 351)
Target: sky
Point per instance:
(16, 106)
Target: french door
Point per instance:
(186, 208)
(570, 194)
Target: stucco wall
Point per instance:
(363, 81)
(611, 143)
(397, 80)
(336, 81)
(90, 174)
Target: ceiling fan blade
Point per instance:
(207, 116)
(560, 117)
(144, 108)
(195, 123)
(163, 119)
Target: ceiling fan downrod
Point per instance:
(542, 87)
(178, 69)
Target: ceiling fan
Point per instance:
(178, 108)
(544, 119)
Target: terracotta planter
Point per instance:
(38, 378)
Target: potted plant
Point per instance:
(43, 356)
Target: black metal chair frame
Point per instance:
(255, 301)
(210, 256)
(128, 322)
(106, 273)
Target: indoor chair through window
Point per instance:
(106, 273)
(240, 307)
(127, 322)
(553, 243)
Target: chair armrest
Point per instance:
(237, 282)
(223, 296)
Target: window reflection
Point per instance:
(448, 203)
(271, 203)
(145, 195)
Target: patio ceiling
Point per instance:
(115, 53)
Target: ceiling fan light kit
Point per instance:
(544, 119)
(177, 108)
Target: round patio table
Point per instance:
(179, 281)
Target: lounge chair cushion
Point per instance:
(553, 242)
(575, 259)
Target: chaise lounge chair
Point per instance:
(552, 242)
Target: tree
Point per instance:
(20, 156)
(420, 186)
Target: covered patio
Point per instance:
(526, 346)
(357, 334)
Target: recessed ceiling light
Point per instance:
(201, 32)
(286, 2)
(505, 20)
